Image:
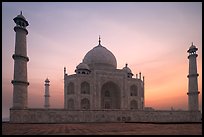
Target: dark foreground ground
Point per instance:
(102, 129)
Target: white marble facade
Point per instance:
(98, 84)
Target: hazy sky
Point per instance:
(151, 37)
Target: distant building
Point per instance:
(98, 92)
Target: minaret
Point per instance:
(192, 80)
(47, 94)
(20, 82)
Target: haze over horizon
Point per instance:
(152, 37)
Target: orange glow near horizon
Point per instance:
(153, 38)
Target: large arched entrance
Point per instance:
(110, 96)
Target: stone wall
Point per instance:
(63, 116)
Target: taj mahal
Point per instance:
(98, 84)
(97, 92)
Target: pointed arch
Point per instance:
(70, 88)
(85, 88)
(110, 96)
(133, 104)
(70, 105)
(133, 90)
(85, 103)
(107, 93)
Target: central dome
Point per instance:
(100, 57)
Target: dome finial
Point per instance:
(99, 40)
(192, 43)
(21, 12)
(126, 65)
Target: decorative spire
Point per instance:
(64, 70)
(99, 40)
(136, 76)
(139, 75)
(192, 44)
(126, 65)
(21, 13)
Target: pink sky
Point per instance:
(151, 37)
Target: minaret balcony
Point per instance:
(193, 75)
(192, 55)
(20, 57)
(47, 95)
(193, 93)
(19, 82)
(18, 27)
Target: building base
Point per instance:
(37, 115)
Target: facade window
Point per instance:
(70, 104)
(107, 93)
(85, 104)
(85, 88)
(133, 90)
(133, 104)
(70, 88)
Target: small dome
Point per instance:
(192, 47)
(127, 69)
(83, 66)
(47, 80)
(20, 17)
